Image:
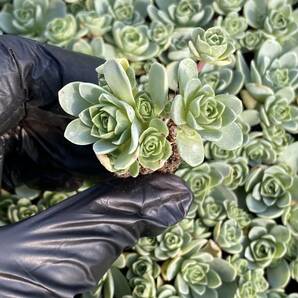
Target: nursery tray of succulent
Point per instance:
(204, 89)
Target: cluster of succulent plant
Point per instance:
(205, 89)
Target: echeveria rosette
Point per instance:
(146, 246)
(222, 79)
(30, 17)
(199, 113)
(133, 42)
(198, 274)
(63, 31)
(227, 6)
(171, 243)
(213, 46)
(108, 118)
(267, 243)
(5, 201)
(50, 198)
(272, 69)
(201, 179)
(290, 219)
(274, 18)
(21, 210)
(235, 26)
(279, 110)
(130, 12)
(269, 191)
(141, 266)
(142, 287)
(155, 149)
(252, 40)
(186, 13)
(259, 150)
(236, 213)
(213, 152)
(167, 291)
(97, 25)
(229, 236)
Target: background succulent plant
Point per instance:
(187, 60)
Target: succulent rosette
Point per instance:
(236, 213)
(186, 13)
(226, 6)
(146, 246)
(201, 180)
(279, 110)
(63, 31)
(213, 46)
(269, 191)
(222, 79)
(273, 69)
(198, 274)
(229, 236)
(167, 291)
(50, 199)
(199, 113)
(258, 150)
(290, 219)
(108, 118)
(252, 40)
(267, 243)
(275, 18)
(96, 24)
(30, 17)
(21, 210)
(142, 287)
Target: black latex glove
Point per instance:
(64, 250)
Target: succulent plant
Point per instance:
(201, 180)
(269, 191)
(258, 150)
(172, 242)
(275, 18)
(141, 266)
(21, 210)
(130, 12)
(294, 269)
(198, 112)
(155, 149)
(279, 110)
(212, 46)
(252, 40)
(229, 236)
(238, 173)
(143, 287)
(108, 118)
(186, 13)
(63, 31)
(222, 79)
(234, 24)
(146, 246)
(213, 152)
(30, 17)
(267, 243)
(133, 42)
(227, 6)
(50, 199)
(273, 69)
(97, 25)
(290, 219)
(167, 291)
(236, 213)
(96, 47)
(198, 275)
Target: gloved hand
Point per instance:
(64, 250)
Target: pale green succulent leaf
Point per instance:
(190, 146)
(275, 278)
(78, 133)
(232, 137)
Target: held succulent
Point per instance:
(212, 46)
(30, 17)
(108, 118)
(199, 113)
(269, 191)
